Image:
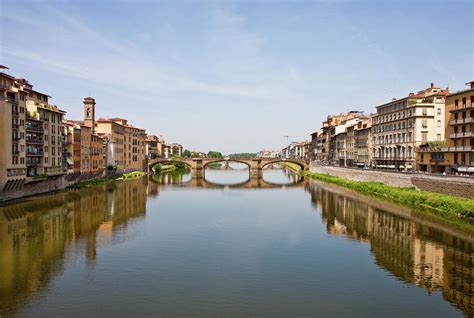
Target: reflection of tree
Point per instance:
(36, 235)
(413, 252)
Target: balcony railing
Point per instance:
(456, 149)
(461, 108)
(34, 153)
(34, 129)
(461, 121)
(34, 141)
(461, 135)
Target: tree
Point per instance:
(214, 154)
(186, 153)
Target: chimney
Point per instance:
(394, 99)
(432, 85)
(470, 84)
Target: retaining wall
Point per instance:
(20, 188)
(458, 186)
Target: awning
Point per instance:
(462, 169)
(409, 167)
(401, 166)
(470, 169)
(391, 167)
(70, 162)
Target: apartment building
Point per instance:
(31, 139)
(152, 146)
(126, 144)
(363, 143)
(85, 148)
(44, 136)
(176, 150)
(297, 150)
(400, 126)
(73, 145)
(12, 129)
(113, 133)
(456, 154)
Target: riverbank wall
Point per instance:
(20, 188)
(451, 185)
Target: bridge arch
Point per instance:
(224, 160)
(154, 162)
(303, 165)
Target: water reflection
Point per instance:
(218, 178)
(428, 256)
(37, 236)
(46, 236)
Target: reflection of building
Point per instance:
(414, 253)
(35, 234)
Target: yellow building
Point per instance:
(12, 129)
(455, 154)
(126, 143)
(31, 134)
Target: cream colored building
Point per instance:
(126, 143)
(51, 118)
(402, 125)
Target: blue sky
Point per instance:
(235, 76)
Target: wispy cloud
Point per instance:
(113, 62)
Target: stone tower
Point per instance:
(89, 112)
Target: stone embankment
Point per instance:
(452, 185)
(20, 188)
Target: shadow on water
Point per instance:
(43, 238)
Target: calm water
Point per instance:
(229, 247)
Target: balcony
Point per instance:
(461, 121)
(34, 129)
(461, 135)
(457, 149)
(461, 108)
(34, 153)
(34, 141)
(11, 100)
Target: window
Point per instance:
(424, 136)
(424, 123)
(439, 111)
(438, 124)
(438, 137)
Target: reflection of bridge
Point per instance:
(251, 183)
(255, 165)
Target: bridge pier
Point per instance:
(256, 173)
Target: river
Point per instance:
(229, 246)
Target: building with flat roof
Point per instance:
(456, 153)
(400, 126)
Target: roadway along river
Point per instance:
(173, 247)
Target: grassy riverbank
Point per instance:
(94, 182)
(443, 204)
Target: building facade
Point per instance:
(400, 126)
(455, 154)
(31, 135)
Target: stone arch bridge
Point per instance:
(255, 165)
